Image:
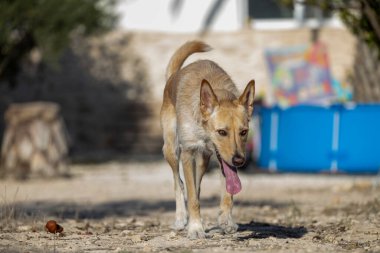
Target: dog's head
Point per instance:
(226, 122)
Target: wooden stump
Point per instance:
(34, 142)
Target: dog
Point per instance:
(202, 114)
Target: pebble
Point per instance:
(172, 234)
(126, 232)
(136, 238)
(140, 223)
(24, 228)
(130, 220)
(7, 237)
(120, 226)
(93, 241)
(147, 249)
(253, 243)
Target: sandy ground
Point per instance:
(129, 207)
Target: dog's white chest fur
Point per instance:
(193, 136)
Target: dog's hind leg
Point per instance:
(225, 220)
(172, 153)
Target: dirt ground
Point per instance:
(129, 207)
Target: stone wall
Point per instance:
(102, 88)
(241, 54)
(110, 87)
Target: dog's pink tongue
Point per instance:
(233, 184)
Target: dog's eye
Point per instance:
(243, 133)
(222, 132)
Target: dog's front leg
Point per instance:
(225, 220)
(195, 227)
(201, 163)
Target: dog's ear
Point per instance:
(246, 99)
(208, 100)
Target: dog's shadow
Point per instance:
(262, 230)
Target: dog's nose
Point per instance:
(238, 160)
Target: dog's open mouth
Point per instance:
(233, 184)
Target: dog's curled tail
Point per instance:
(182, 53)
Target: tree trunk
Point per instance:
(366, 75)
(35, 141)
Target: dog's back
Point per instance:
(184, 81)
(182, 91)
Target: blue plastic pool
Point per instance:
(338, 138)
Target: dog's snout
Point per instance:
(238, 160)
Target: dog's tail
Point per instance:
(182, 53)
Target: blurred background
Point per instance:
(81, 85)
(82, 81)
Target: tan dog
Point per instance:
(202, 114)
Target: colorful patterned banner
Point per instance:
(300, 74)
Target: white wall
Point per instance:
(181, 16)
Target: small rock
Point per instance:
(139, 223)
(266, 208)
(147, 249)
(93, 241)
(253, 243)
(24, 228)
(171, 235)
(136, 238)
(7, 237)
(130, 220)
(126, 232)
(106, 229)
(120, 226)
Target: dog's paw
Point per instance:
(196, 231)
(196, 234)
(230, 228)
(179, 224)
(227, 224)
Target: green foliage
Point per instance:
(46, 25)
(363, 21)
